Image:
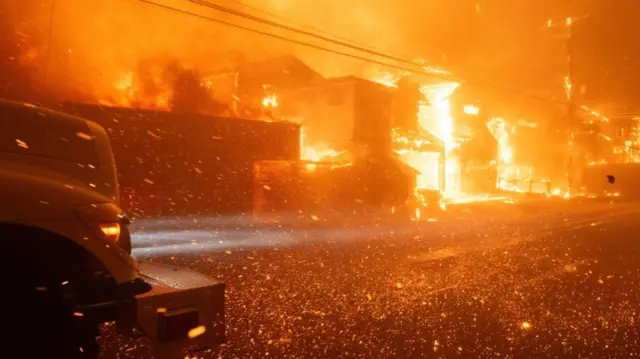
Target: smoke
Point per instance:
(81, 49)
(94, 43)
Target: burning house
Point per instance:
(623, 134)
(407, 125)
(347, 141)
(252, 89)
(613, 149)
(389, 142)
(478, 149)
(343, 114)
(500, 142)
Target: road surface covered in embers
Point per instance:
(548, 279)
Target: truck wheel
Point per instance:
(39, 316)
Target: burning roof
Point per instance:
(282, 72)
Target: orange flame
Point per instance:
(436, 118)
(270, 101)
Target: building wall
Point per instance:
(170, 164)
(341, 112)
(372, 121)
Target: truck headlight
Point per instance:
(108, 221)
(111, 230)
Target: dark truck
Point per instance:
(65, 250)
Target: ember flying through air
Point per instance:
(372, 178)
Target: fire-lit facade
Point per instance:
(344, 114)
(612, 154)
(624, 133)
(451, 141)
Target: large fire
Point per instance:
(427, 163)
(161, 84)
(315, 153)
(136, 55)
(436, 118)
(501, 131)
(129, 92)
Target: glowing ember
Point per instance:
(568, 87)
(197, 331)
(471, 110)
(594, 113)
(270, 101)
(21, 143)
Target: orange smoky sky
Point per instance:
(92, 43)
(85, 46)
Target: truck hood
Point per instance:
(39, 193)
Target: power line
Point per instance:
(275, 16)
(344, 44)
(284, 38)
(346, 54)
(301, 32)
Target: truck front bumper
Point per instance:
(183, 313)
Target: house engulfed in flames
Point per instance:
(611, 165)
(347, 119)
(407, 125)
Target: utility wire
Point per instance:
(346, 54)
(302, 32)
(287, 39)
(331, 38)
(306, 26)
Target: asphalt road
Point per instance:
(540, 279)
